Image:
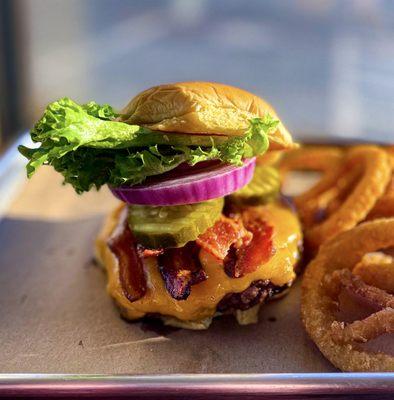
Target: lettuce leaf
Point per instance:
(90, 148)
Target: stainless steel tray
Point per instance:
(230, 386)
(58, 327)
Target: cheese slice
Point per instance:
(206, 295)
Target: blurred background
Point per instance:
(326, 65)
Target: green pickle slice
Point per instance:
(172, 226)
(263, 188)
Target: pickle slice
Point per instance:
(263, 187)
(172, 226)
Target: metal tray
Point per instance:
(61, 335)
(229, 386)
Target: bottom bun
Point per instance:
(250, 316)
(219, 294)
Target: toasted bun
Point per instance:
(201, 306)
(201, 107)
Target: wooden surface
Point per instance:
(55, 315)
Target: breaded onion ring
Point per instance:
(375, 174)
(326, 160)
(318, 308)
(353, 181)
(384, 207)
(377, 324)
(270, 158)
(377, 269)
(362, 331)
(311, 158)
(344, 279)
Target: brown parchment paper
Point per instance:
(55, 315)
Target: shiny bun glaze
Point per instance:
(201, 107)
(202, 305)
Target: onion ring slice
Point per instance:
(376, 172)
(318, 307)
(377, 269)
(376, 324)
(327, 160)
(369, 328)
(384, 207)
(353, 181)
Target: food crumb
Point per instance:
(80, 343)
(91, 263)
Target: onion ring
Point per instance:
(384, 207)
(376, 172)
(270, 158)
(345, 279)
(321, 159)
(318, 308)
(353, 181)
(376, 324)
(317, 210)
(377, 269)
(362, 331)
(311, 158)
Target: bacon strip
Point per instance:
(131, 270)
(246, 259)
(226, 232)
(180, 269)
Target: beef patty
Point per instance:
(258, 292)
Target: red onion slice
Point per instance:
(218, 181)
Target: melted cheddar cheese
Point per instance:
(206, 295)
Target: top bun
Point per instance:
(201, 107)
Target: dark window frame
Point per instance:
(12, 71)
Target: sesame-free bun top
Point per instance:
(201, 107)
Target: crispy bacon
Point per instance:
(226, 232)
(131, 270)
(247, 258)
(180, 269)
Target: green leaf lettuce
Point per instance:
(90, 148)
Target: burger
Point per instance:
(202, 229)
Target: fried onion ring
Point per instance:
(270, 158)
(353, 181)
(385, 205)
(377, 324)
(318, 308)
(344, 279)
(377, 269)
(362, 331)
(359, 198)
(326, 160)
(311, 158)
